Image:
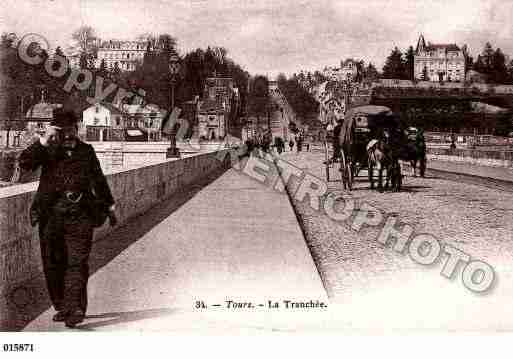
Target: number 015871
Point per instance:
(18, 347)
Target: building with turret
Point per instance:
(218, 108)
(439, 62)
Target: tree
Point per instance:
(499, 72)
(8, 75)
(479, 65)
(510, 72)
(409, 64)
(371, 73)
(492, 63)
(149, 37)
(84, 40)
(484, 62)
(302, 102)
(281, 79)
(469, 63)
(394, 65)
(259, 96)
(84, 37)
(166, 45)
(488, 55)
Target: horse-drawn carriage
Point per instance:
(361, 126)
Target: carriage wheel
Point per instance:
(346, 172)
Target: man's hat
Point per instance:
(63, 118)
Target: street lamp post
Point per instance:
(174, 68)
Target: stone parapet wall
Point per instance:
(135, 191)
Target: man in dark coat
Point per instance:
(420, 144)
(72, 191)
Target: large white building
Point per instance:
(348, 71)
(439, 62)
(103, 115)
(127, 54)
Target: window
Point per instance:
(96, 121)
(118, 122)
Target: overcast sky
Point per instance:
(272, 36)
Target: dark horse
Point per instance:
(381, 156)
(410, 151)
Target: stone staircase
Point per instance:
(280, 121)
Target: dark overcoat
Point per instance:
(78, 171)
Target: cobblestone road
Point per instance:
(376, 288)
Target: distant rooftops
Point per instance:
(422, 47)
(122, 44)
(448, 47)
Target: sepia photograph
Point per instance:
(223, 167)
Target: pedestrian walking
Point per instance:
(336, 140)
(73, 197)
(299, 143)
(420, 144)
(291, 145)
(278, 143)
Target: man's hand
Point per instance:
(50, 136)
(113, 220)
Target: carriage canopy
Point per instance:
(368, 118)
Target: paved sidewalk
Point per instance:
(235, 239)
(500, 173)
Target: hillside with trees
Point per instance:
(151, 77)
(299, 98)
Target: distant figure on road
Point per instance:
(267, 140)
(299, 143)
(279, 144)
(336, 140)
(73, 197)
(420, 144)
(291, 145)
(249, 146)
(453, 142)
